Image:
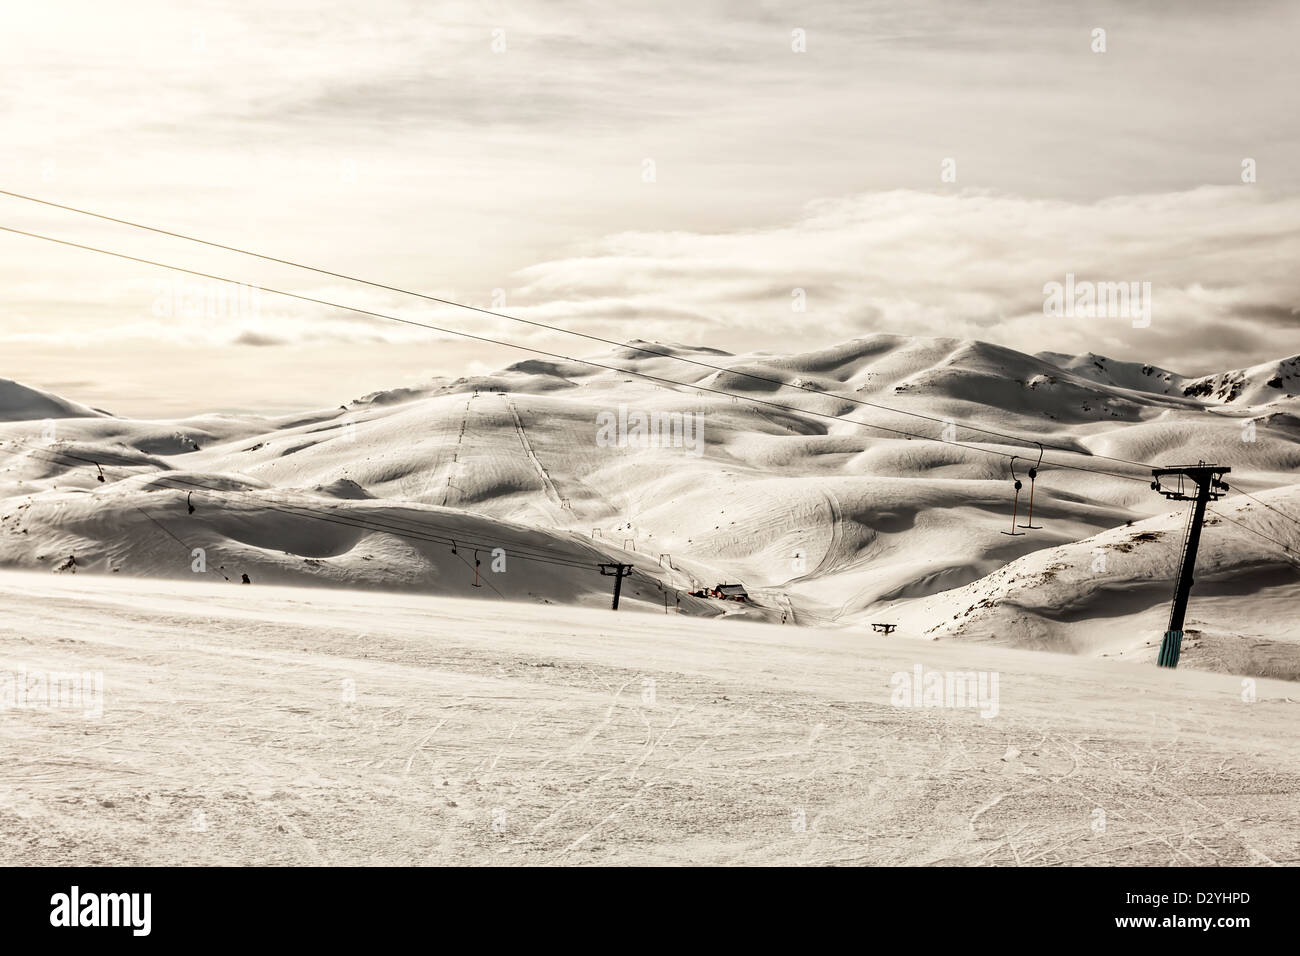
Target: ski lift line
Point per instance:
(528, 321)
(474, 568)
(308, 513)
(375, 524)
(174, 537)
(162, 527)
(541, 325)
(555, 355)
(347, 521)
(302, 511)
(1033, 480)
(1268, 506)
(1285, 547)
(1015, 505)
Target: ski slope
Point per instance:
(824, 519)
(285, 725)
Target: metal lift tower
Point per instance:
(618, 572)
(1209, 486)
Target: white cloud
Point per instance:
(387, 140)
(1220, 261)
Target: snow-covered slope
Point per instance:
(21, 403)
(271, 725)
(848, 512)
(1087, 596)
(1257, 385)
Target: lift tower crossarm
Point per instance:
(1209, 486)
(618, 572)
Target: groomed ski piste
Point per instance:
(288, 725)
(425, 667)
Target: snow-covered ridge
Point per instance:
(823, 517)
(22, 403)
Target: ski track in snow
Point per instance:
(477, 738)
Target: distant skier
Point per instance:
(246, 580)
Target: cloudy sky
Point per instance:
(668, 171)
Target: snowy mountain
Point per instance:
(19, 403)
(879, 493)
(1257, 385)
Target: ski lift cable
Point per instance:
(1268, 506)
(174, 537)
(379, 524)
(541, 325)
(350, 521)
(555, 355)
(1033, 481)
(165, 530)
(1285, 547)
(474, 568)
(1015, 504)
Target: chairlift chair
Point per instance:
(1015, 505)
(1033, 480)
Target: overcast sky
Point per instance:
(390, 140)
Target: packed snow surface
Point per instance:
(286, 725)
